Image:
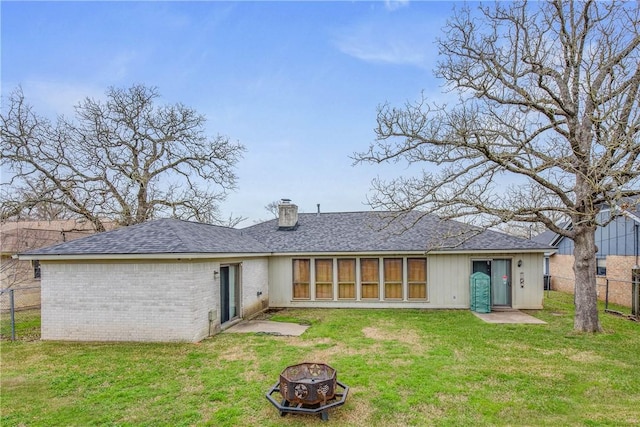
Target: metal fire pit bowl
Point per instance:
(308, 383)
(310, 388)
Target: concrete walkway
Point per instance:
(513, 316)
(294, 329)
(268, 327)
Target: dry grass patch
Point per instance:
(406, 336)
(430, 412)
(448, 399)
(586, 357)
(358, 410)
(237, 353)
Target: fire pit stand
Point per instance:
(308, 388)
(284, 406)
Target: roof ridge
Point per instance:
(171, 225)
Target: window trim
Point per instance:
(353, 284)
(393, 282)
(601, 266)
(425, 282)
(300, 282)
(370, 284)
(316, 282)
(356, 287)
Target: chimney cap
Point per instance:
(285, 201)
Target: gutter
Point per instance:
(201, 256)
(158, 256)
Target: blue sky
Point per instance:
(298, 83)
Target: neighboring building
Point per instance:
(617, 259)
(172, 280)
(21, 236)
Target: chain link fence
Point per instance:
(20, 313)
(620, 297)
(630, 291)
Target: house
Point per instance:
(21, 236)
(617, 259)
(172, 280)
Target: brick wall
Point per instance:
(255, 286)
(128, 301)
(561, 270)
(618, 273)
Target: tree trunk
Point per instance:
(584, 267)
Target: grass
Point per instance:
(404, 367)
(27, 325)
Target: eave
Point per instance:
(193, 256)
(488, 251)
(158, 256)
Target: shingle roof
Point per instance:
(326, 232)
(160, 237)
(382, 232)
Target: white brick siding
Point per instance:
(255, 279)
(128, 301)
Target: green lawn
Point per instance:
(27, 326)
(404, 367)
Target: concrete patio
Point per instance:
(510, 316)
(268, 327)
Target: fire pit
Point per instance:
(310, 388)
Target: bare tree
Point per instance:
(548, 99)
(529, 229)
(20, 204)
(125, 159)
(272, 208)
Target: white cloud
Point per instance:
(383, 51)
(395, 4)
(383, 42)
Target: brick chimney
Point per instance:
(287, 215)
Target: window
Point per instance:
(369, 277)
(397, 279)
(546, 265)
(393, 278)
(601, 266)
(324, 278)
(301, 278)
(36, 269)
(417, 278)
(347, 279)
